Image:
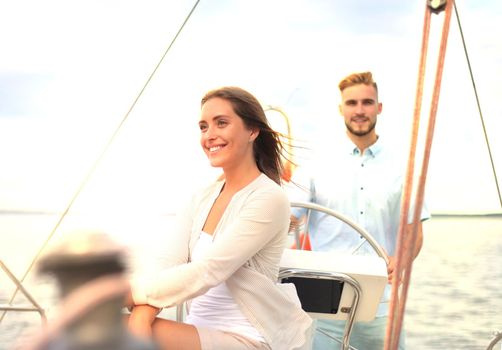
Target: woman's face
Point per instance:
(225, 138)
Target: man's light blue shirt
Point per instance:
(366, 188)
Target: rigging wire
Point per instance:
(100, 157)
(478, 104)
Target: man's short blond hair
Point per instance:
(365, 78)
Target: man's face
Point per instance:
(360, 108)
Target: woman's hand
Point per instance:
(141, 319)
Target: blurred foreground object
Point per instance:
(89, 269)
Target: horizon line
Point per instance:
(440, 213)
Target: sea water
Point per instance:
(454, 300)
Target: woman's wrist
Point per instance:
(145, 313)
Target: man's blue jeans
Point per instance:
(364, 336)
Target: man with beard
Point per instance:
(361, 177)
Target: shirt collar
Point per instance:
(372, 150)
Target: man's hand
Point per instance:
(390, 269)
(294, 223)
(391, 266)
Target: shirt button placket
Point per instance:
(363, 197)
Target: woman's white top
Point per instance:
(247, 246)
(216, 308)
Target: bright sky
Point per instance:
(70, 70)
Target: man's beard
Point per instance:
(361, 132)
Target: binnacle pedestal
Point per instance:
(89, 268)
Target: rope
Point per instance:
(99, 159)
(407, 187)
(36, 306)
(479, 105)
(405, 252)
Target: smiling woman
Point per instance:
(246, 109)
(224, 137)
(229, 240)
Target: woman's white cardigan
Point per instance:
(248, 244)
